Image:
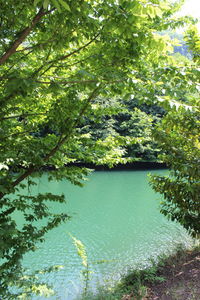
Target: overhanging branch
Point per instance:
(23, 35)
(61, 141)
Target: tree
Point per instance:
(56, 58)
(136, 129)
(178, 137)
(131, 122)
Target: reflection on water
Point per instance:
(116, 216)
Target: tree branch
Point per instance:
(23, 35)
(36, 46)
(79, 81)
(61, 58)
(60, 142)
(22, 116)
(17, 133)
(77, 50)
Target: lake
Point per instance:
(116, 216)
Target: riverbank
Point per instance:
(176, 277)
(181, 275)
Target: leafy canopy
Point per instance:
(179, 139)
(55, 59)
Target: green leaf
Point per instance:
(45, 4)
(35, 3)
(57, 5)
(65, 5)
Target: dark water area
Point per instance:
(131, 166)
(116, 216)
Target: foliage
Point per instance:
(81, 251)
(193, 41)
(129, 122)
(178, 137)
(136, 129)
(179, 140)
(55, 59)
(86, 272)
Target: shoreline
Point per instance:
(133, 166)
(174, 277)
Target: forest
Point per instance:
(101, 83)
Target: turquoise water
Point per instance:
(116, 216)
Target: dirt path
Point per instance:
(182, 279)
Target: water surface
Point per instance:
(116, 216)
